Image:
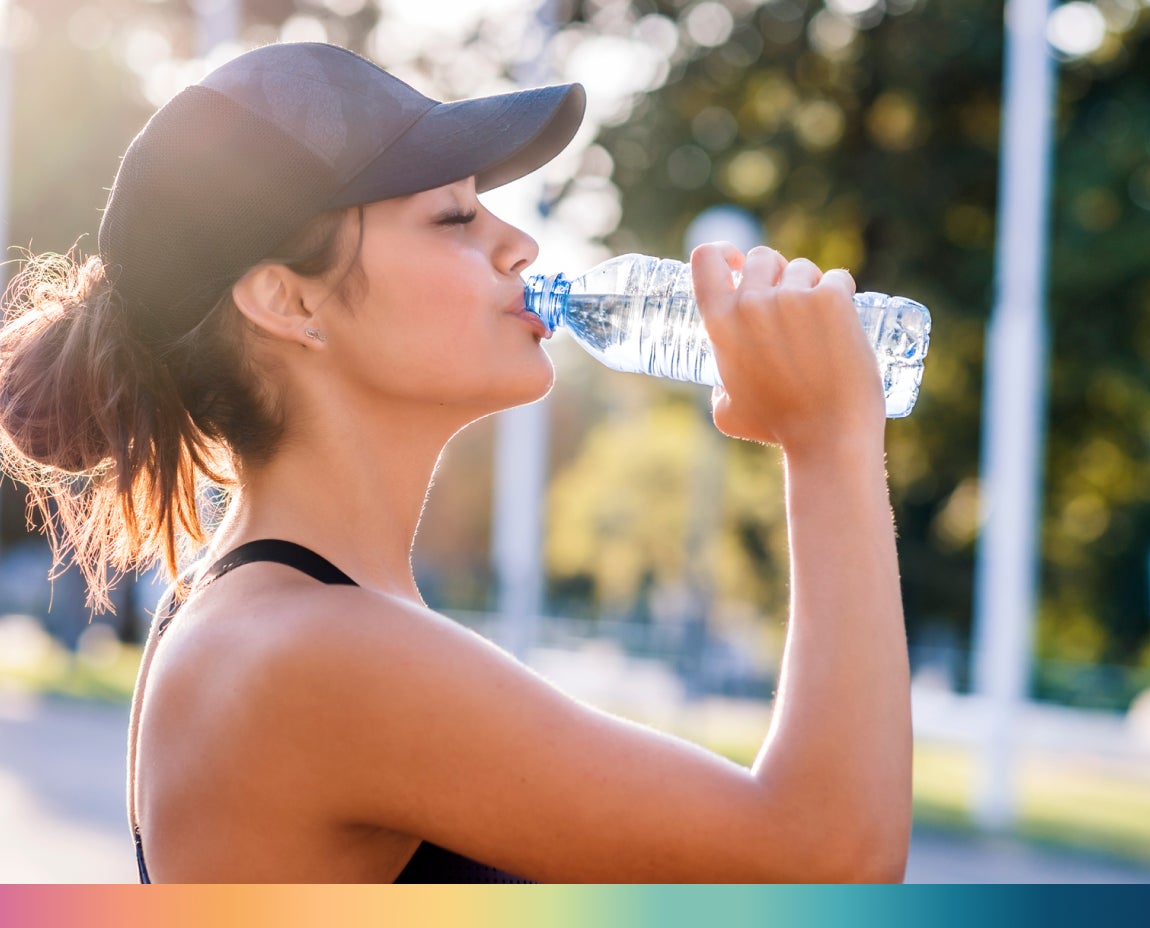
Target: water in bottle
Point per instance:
(637, 314)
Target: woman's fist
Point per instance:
(796, 366)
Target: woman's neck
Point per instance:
(351, 488)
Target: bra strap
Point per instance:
(279, 552)
(275, 550)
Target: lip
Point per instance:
(535, 321)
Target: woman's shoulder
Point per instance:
(340, 630)
(259, 633)
(276, 616)
(271, 651)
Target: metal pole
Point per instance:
(1013, 409)
(521, 474)
(517, 530)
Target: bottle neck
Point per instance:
(546, 296)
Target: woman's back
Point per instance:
(209, 744)
(224, 791)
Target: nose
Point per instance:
(516, 250)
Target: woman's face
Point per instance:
(439, 317)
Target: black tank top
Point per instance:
(430, 863)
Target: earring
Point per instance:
(315, 335)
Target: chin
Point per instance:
(529, 384)
(536, 379)
(547, 378)
(531, 392)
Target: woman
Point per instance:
(299, 296)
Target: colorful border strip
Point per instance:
(568, 906)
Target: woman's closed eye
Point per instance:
(456, 217)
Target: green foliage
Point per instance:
(875, 147)
(869, 143)
(624, 504)
(879, 155)
(1097, 528)
(657, 506)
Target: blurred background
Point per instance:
(609, 535)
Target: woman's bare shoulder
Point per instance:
(275, 631)
(376, 711)
(261, 670)
(318, 624)
(402, 719)
(371, 649)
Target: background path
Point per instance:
(62, 816)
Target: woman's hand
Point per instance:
(796, 365)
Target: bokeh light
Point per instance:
(714, 127)
(344, 7)
(832, 34)
(753, 174)
(456, 17)
(819, 124)
(854, 7)
(659, 33)
(614, 69)
(709, 24)
(893, 120)
(303, 28)
(1076, 29)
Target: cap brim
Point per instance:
(495, 139)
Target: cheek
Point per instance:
(431, 329)
(425, 289)
(429, 344)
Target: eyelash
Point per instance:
(461, 219)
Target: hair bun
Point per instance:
(54, 351)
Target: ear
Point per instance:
(271, 298)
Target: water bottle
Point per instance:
(637, 314)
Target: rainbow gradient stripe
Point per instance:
(571, 906)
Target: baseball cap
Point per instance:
(233, 165)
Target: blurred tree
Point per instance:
(867, 141)
(1097, 530)
(865, 135)
(862, 134)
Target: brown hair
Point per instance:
(112, 435)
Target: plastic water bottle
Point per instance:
(637, 314)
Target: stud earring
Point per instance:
(315, 335)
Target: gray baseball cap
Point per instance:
(233, 165)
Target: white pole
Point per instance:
(517, 529)
(521, 475)
(743, 230)
(1013, 409)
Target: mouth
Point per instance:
(531, 319)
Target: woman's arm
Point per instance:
(400, 718)
(841, 724)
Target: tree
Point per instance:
(870, 141)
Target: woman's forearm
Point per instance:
(840, 742)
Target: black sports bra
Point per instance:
(430, 863)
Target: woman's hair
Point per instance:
(113, 435)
